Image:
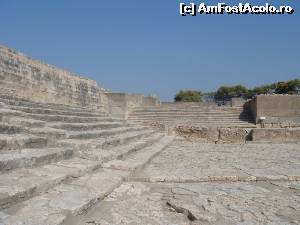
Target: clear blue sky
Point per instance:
(147, 47)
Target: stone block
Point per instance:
(233, 135)
(203, 134)
(276, 135)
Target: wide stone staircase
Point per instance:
(58, 161)
(177, 114)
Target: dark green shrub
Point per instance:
(188, 96)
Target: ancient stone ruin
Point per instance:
(72, 152)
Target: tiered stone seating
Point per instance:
(193, 115)
(57, 161)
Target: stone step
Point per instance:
(224, 125)
(32, 157)
(17, 179)
(8, 113)
(9, 100)
(196, 124)
(221, 116)
(49, 132)
(183, 111)
(119, 151)
(21, 184)
(69, 119)
(102, 133)
(23, 122)
(60, 203)
(187, 106)
(195, 110)
(209, 125)
(191, 114)
(136, 161)
(21, 141)
(193, 123)
(6, 128)
(55, 112)
(192, 118)
(10, 129)
(106, 142)
(85, 126)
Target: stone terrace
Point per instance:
(57, 161)
(192, 114)
(196, 184)
(205, 122)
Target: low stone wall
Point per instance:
(22, 77)
(213, 134)
(278, 110)
(121, 104)
(276, 135)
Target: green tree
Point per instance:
(188, 96)
(293, 86)
(263, 89)
(282, 88)
(228, 92)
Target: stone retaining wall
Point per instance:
(276, 135)
(278, 110)
(212, 134)
(22, 77)
(237, 135)
(121, 104)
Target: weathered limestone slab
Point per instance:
(198, 204)
(54, 207)
(86, 126)
(213, 134)
(198, 162)
(102, 133)
(19, 141)
(36, 110)
(137, 161)
(204, 134)
(32, 157)
(119, 151)
(107, 142)
(233, 135)
(20, 184)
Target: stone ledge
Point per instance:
(276, 135)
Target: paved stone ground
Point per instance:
(194, 183)
(194, 162)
